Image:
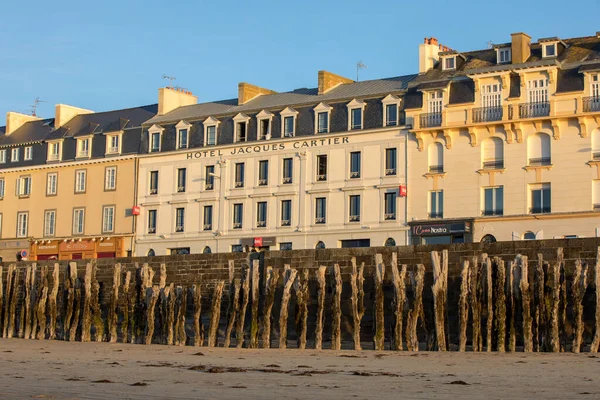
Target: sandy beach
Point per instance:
(60, 370)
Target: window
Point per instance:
(538, 149)
(595, 88)
(537, 99)
(320, 210)
(80, 181)
(285, 246)
(154, 142)
(238, 215)
(493, 201)
(529, 235)
(0, 225)
(320, 245)
(51, 184)
(113, 144)
(449, 62)
(2, 156)
(179, 219)
(14, 156)
(208, 216)
(286, 212)
(354, 208)
(434, 102)
(152, 214)
(549, 50)
(2, 186)
(210, 131)
(78, 221)
(83, 147)
(323, 122)
(264, 125)
(355, 164)
(322, 112)
(179, 250)
(503, 55)
(322, 167)
(288, 122)
(350, 243)
(54, 151)
(261, 214)
(28, 153)
(239, 175)
(182, 139)
(24, 186)
(595, 195)
(390, 242)
(237, 248)
(391, 115)
(110, 178)
(355, 114)
(49, 222)
(491, 96)
(436, 158)
(436, 204)
(541, 198)
(206, 250)
(108, 219)
(263, 172)
(153, 182)
(241, 127)
(390, 161)
(22, 223)
(287, 170)
(181, 180)
(210, 178)
(390, 206)
(492, 153)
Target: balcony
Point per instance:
(390, 216)
(320, 220)
(239, 184)
(489, 213)
(591, 104)
(261, 224)
(540, 161)
(113, 150)
(539, 210)
(487, 114)
(493, 164)
(179, 228)
(430, 120)
(390, 171)
(180, 189)
(262, 182)
(153, 191)
(287, 180)
(354, 174)
(596, 207)
(237, 225)
(151, 230)
(322, 177)
(436, 169)
(532, 110)
(285, 222)
(436, 215)
(207, 227)
(354, 218)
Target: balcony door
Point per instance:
(434, 104)
(491, 96)
(537, 91)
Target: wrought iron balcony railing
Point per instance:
(534, 162)
(493, 164)
(591, 104)
(436, 215)
(436, 169)
(534, 110)
(539, 210)
(487, 114)
(488, 213)
(430, 120)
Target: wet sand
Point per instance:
(61, 370)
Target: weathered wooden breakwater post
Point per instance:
(463, 306)
(357, 299)
(336, 324)
(439, 288)
(378, 337)
(320, 307)
(242, 310)
(500, 310)
(272, 277)
(412, 340)
(289, 278)
(255, 301)
(234, 297)
(578, 288)
(215, 313)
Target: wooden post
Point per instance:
(440, 283)
(34, 299)
(99, 326)
(27, 304)
(215, 314)
(70, 285)
(255, 300)
(1, 300)
(578, 288)
(76, 312)
(463, 306)
(271, 279)
(540, 305)
(14, 297)
(336, 320)
(9, 289)
(162, 283)
(398, 278)
(198, 327)
(554, 338)
(241, 320)
(320, 307)
(476, 303)
(52, 305)
(41, 305)
(417, 282)
(563, 301)
(379, 336)
(289, 278)
(86, 322)
(355, 307)
(151, 298)
(125, 307)
(301, 289)
(22, 319)
(527, 320)
(234, 294)
(114, 301)
(512, 336)
(181, 302)
(171, 300)
(596, 340)
(486, 262)
(500, 312)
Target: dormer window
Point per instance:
(322, 112)
(288, 122)
(391, 105)
(210, 131)
(154, 138)
(595, 86)
(548, 50)
(183, 133)
(54, 151)
(241, 128)
(28, 156)
(355, 114)
(264, 119)
(449, 63)
(84, 148)
(503, 55)
(14, 155)
(113, 144)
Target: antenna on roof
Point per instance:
(490, 44)
(359, 66)
(170, 78)
(34, 106)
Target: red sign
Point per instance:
(258, 242)
(402, 190)
(135, 210)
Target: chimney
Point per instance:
(247, 92)
(520, 47)
(328, 81)
(428, 54)
(64, 113)
(171, 98)
(15, 120)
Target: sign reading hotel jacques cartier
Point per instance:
(264, 148)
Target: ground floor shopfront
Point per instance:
(10, 248)
(79, 248)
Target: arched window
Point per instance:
(320, 245)
(596, 144)
(151, 253)
(207, 250)
(390, 242)
(538, 149)
(492, 153)
(436, 158)
(488, 239)
(529, 235)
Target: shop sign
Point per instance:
(441, 229)
(259, 241)
(77, 246)
(135, 210)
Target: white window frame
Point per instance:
(112, 149)
(182, 230)
(51, 183)
(354, 105)
(435, 102)
(260, 117)
(80, 186)
(594, 87)
(108, 219)
(491, 95)
(2, 188)
(240, 118)
(389, 100)
(54, 156)
(447, 59)
(288, 112)
(439, 211)
(355, 217)
(22, 224)
(208, 122)
(3, 156)
(80, 219)
(15, 153)
(24, 186)
(507, 55)
(28, 153)
(537, 90)
(183, 126)
(155, 129)
(152, 229)
(49, 229)
(87, 153)
(0, 225)
(110, 185)
(322, 107)
(544, 47)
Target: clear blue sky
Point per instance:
(112, 54)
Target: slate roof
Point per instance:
(294, 98)
(30, 132)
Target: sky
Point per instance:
(111, 54)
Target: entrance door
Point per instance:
(106, 255)
(76, 256)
